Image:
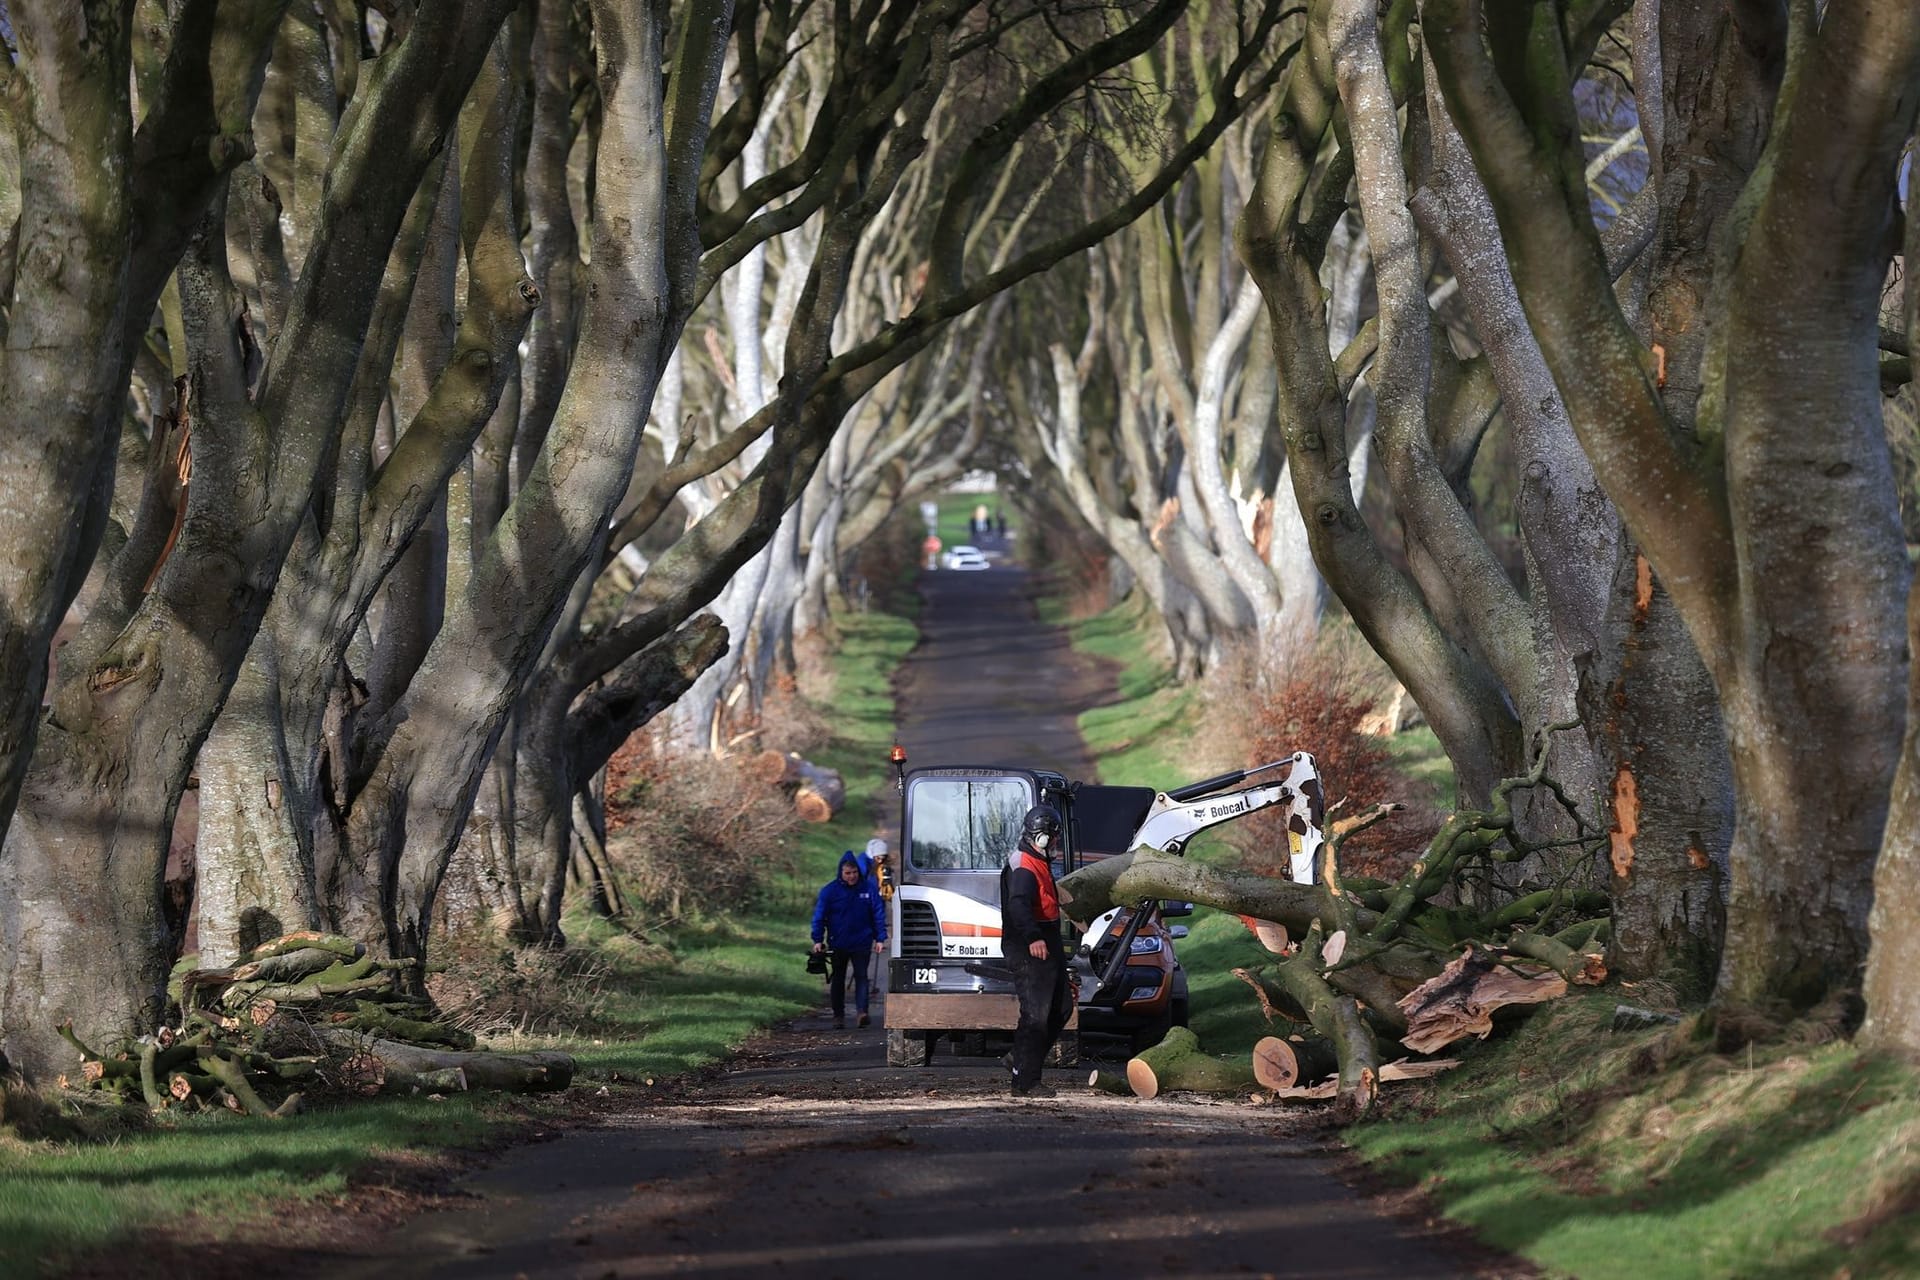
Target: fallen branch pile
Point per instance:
(1364, 970)
(304, 1013)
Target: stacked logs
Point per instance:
(304, 1013)
(1368, 970)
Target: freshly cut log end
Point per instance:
(1108, 1082)
(773, 767)
(1274, 1064)
(1272, 936)
(1287, 1064)
(1142, 1080)
(812, 806)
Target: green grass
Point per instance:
(668, 1009)
(1141, 739)
(1605, 1155)
(58, 1200)
(1225, 1015)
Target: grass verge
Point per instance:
(1143, 738)
(217, 1176)
(1605, 1155)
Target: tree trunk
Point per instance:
(74, 121)
(1794, 611)
(1668, 806)
(1893, 965)
(254, 875)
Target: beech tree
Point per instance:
(1779, 544)
(367, 534)
(173, 617)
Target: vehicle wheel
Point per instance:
(1180, 1011)
(909, 1048)
(1065, 1051)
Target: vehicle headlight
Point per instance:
(1146, 946)
(1143, 993)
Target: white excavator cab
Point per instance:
(959, 824)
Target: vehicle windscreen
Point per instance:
(965, 824)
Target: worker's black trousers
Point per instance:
(1044, 1009)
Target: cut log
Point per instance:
(1588, 935)
(1272, 936)
(1176, 1064)
(1108, 1082)
(1282, 1064)
(233, 1078)
(182, 1085)
(149, 1082)
(774, 767)
(509, 1072)
(442, 1080)
(1460, 1002)
(821, 795)
(1148, 873)
(1094, 881)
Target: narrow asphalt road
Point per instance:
(809, 1157)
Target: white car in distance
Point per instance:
(965, 558)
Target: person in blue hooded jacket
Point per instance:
(849, 923)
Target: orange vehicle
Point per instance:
(958, 824)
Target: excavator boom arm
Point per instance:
(1171, 823)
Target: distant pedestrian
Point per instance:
(850, 925)
(1033, 949)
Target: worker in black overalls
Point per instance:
(1031, 944)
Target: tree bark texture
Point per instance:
(1795, 612)
(130, 716)
(1893, 965)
